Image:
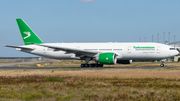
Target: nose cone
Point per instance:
(175, 52)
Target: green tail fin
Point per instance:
(27, 33)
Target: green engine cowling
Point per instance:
(107, 58)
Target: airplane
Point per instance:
(102, 53)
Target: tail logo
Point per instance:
(28, 34)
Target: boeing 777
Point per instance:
(101, 53)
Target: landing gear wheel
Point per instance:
(100, 65)
(82, 65)
(86, 65)
(96, 65)
(162, 65)
(93, 65)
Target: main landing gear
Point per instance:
(91, 65)
(162, 64)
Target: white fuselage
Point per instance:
(125, 51)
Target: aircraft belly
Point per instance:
(60, 55)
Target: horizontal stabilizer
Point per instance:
(19, 47)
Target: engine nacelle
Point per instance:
(124, 61)
(107, 58)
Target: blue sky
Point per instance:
(88, 21)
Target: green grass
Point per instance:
(60, 88)
(54, 79)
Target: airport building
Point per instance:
(175, 44)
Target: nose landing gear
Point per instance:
(162, 64)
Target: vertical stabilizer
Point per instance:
(27, 33)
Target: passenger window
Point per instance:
(171, 48)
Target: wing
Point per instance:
(19, 47)
(78, 52)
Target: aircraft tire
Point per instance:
(82, 65)
(100, 65)
(96, 65)
(162, 65)
(86, 65)
(93, 65)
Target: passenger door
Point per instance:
(158, 49)
(129, 52)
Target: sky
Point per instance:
(88, 21)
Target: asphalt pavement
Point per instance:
(24, 63)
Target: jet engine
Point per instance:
(106, 58)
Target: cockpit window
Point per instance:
(171, 48)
